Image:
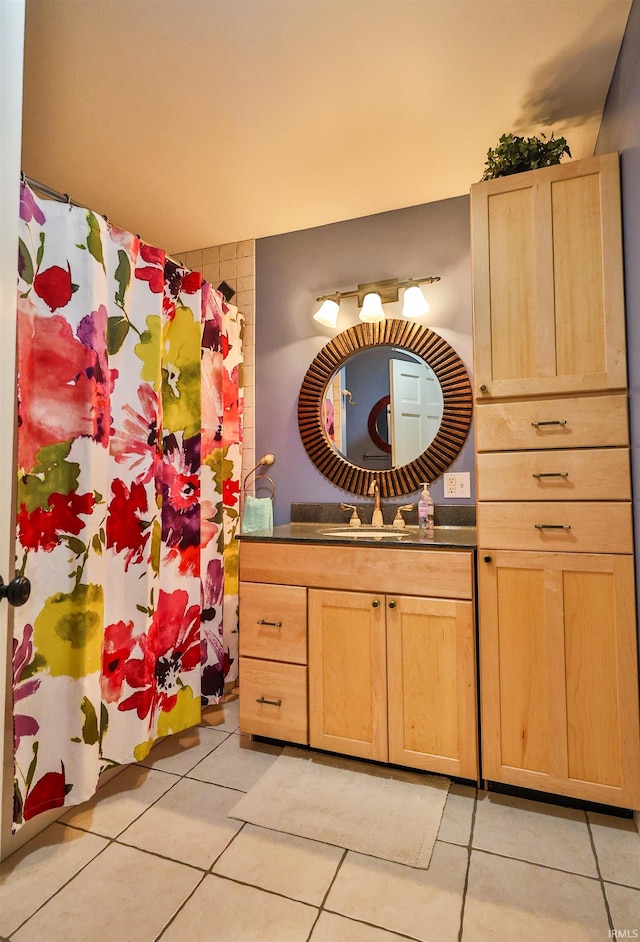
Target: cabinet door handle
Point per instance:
(274, 624)
(270, 702)
(552, 526)
(487, 559)
(392, 604)
(483, 387)
(550, 474)
(550, 422)
(375, 604)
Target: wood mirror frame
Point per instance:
(456, 417)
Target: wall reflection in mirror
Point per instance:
(382, 408)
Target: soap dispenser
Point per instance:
(425, 510)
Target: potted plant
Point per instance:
(515, 154)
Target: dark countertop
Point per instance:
(453, 537)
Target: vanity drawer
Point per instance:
(580, 422)
(285, 685)
(273, 622)
(446, 574)
(580, 474)
(596, 527)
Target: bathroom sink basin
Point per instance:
(368, 533)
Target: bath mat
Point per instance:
(389, 813)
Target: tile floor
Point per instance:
(155, 857)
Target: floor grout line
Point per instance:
(602, 886)
(466, 876)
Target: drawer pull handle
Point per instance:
(550, 422)
(275, 624)
(270, 702)
(550, 474)
(552, 526)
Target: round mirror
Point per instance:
(382, 408)
(427, 439)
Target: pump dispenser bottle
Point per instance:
(425, 510)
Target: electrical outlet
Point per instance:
(450, 485)
(457, 485)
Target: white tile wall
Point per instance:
(234, 263)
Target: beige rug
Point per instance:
(375, 810)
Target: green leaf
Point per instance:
(40, 252)
(94, 239)
(96, 544)
(90, 726)
(32, 766)
(24, 263)
(37, 664)
(122, 276)
(117, 330)
(51, 474)
(75, 545)
(104, 720)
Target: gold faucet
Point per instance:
(374, 491)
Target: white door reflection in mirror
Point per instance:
(416, 408)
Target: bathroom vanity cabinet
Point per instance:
(556, 584)
(382, 639)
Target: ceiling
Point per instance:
(200, 122)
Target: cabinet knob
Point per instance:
(483, 387)
(392, 604)
(375, 603)
(487, 559)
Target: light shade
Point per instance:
(372, 311)
(327, 313)
(415, 303)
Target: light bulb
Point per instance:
(372, 310)
(327, 314)
(415, 303)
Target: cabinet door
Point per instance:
(347, 673)
(558, 674)
(431, 669)
(548, 281)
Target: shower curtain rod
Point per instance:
(65, 198)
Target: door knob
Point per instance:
(17, 591)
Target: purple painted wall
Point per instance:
(620, 131)
(292, 270)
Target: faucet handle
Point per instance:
(355, 520)
(398, 520)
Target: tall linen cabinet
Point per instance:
(556, 584)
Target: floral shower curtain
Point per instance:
(129, 452)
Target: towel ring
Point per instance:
(263, 479)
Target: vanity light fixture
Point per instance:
(414, 302)
(327, 313)
(372, 296)
(372, 311)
